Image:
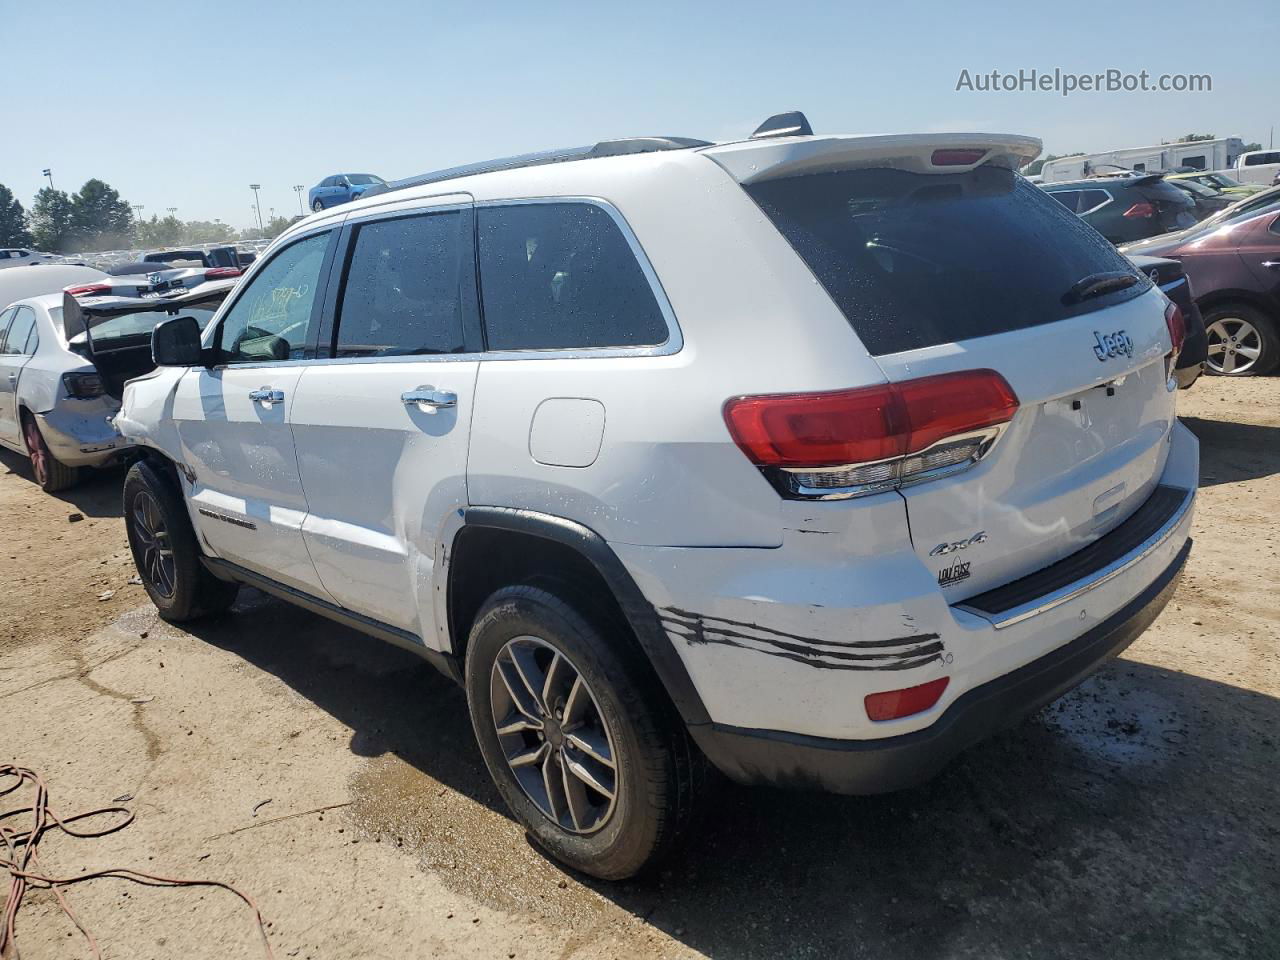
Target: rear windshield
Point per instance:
(915, 260)
(135, 324)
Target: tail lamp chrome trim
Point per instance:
(787, 478)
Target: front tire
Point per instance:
(50, 472)
(317, 206)
(577, 733)
(165, 550)
(1243, 341)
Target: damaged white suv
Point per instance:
(816, 458)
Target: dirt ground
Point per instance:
(335, 779)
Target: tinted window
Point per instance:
(915, 260)
(1140, 166)
(1068, 198)
(1260, 158)
(562, 275)
(136, 324)
(270, 318)
(1197, 162)
(1091, 199)
(5, 319)
(403, 292)
(362, 179)
(23, 323)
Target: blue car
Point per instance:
(341, 188)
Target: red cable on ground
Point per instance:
(19, 859)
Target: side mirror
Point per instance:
(176, 343)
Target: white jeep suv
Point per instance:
(816, 458)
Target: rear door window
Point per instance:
(914, 260)
(562, 275)
(24, 323)
(404, 291)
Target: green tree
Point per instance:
(205, 231)
(160, 233)
(13, 220)
(1248, 147)
(1195, 138)
(275, 226)
(50, 221)
(99, 218)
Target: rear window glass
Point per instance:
(136, 324)
(561, 275)
(914, 260)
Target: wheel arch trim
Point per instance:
(639, 612)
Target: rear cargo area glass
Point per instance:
(914, 260)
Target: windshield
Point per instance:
(1221, 180)
(363, 179)
(134, 324)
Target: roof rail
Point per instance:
(605, 148)
(793, 124)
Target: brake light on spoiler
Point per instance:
(850, 443)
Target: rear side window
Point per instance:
(562, 275)
(403, 291)
(1068, 198)
(914, 260)
(23, 329)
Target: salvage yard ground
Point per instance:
(335, 779)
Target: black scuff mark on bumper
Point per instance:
(894, 653)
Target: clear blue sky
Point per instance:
(184, 104)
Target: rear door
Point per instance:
(232, 418)
(382, 427)
(978, 270)
(16, 325)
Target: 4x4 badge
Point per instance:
(944, 548)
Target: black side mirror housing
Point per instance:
(176, 343)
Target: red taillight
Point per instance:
(956, 158)
(221, 273)
(893, 704)
(87, 289)
(1143, 209)
(1177, 325)
(867, 424)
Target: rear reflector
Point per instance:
(867, 424)
(893, 704)
(1142, 209)
(88, 289)
(1177, 325)
(957, 158)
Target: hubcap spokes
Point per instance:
(553, 735)
(156, 562)
(1234, 345)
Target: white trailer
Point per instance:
(1200, 154)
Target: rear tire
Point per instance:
(653, 770)
(50, 472)
(1252, 331)
(165, 549)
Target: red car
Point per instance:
(1234, 268)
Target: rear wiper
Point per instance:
(1097, 284)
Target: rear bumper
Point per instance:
(83, 437)
(893, 763)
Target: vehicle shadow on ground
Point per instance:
(1230, 452)
(97, 494)
(1136, 817)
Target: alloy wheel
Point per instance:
(37, 451)
(156, 561)
(1234, 345)
(553, 735)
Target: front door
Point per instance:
(232, 419)
(381, 429)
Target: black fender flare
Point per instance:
(640, 613)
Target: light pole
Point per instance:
(298, 188)
(172, 210)
(137, 210)
(48, 172)
(255, 187)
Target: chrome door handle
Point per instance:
(1271, 264)
(428, 396)
(13, 378)
(267, 395)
